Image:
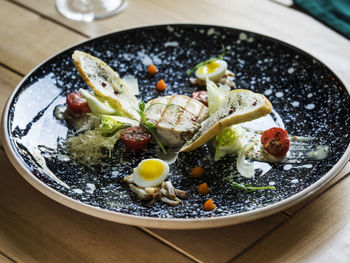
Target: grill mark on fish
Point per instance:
(165, 109)
(162, 113)
(200, 112)
(182, 112)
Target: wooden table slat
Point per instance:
(318, 233)
(8, 82)
(265, 17)
(221, 244)
(344, 172)
(32, 39)
(34, 228)
(5, 259)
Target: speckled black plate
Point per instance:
(310, 99)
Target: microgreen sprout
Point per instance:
(248, 187)
(148, 125)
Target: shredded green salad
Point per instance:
(91, 143)
(87, 147)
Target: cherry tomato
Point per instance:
(276, 142)
(135, 138)
(76, 103)
(202, 96)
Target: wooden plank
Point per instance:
(102, 241)
(5, 259)
(265, 17)
(8, 82)
(318, 233)
(221, 244)
(36, 229)
(27, 38)
(138, 13)
(341, 175)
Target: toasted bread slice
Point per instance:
(240, 106)
(105, 82)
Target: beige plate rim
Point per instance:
(160, 223)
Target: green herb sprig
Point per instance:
(207, 61)
(248, 187)
(148, 125)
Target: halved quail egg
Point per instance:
(213, 70)
(150, 172)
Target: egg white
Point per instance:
(216, 74)
(142, 182)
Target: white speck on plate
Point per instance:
(305, 166)
(287, 167)
(115, 173)
(91, 188)
(170, 29)
(78, 191)
(279, 94)
(310, 95)
(272, 183)
(295, 103)
(211, 31)
(145, 59)
(157, 60)
(294, 181)
(243, 36)
(63, 158)
(171, 44)
(310, 106)
(291, 70)
(268, 92)
(127, 56)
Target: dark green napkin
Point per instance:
(334, 13)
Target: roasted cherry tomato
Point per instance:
(276, 142)
(202, 96)
(76, 103)
(135, 138)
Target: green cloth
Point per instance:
(334, 13)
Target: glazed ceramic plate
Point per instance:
(308, 100)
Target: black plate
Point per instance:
(305, 93)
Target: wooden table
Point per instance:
(33, 228)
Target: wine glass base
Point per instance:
(89, 10)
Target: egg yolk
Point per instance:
(150, 170)
(209, 68)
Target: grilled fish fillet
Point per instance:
(176, 118)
